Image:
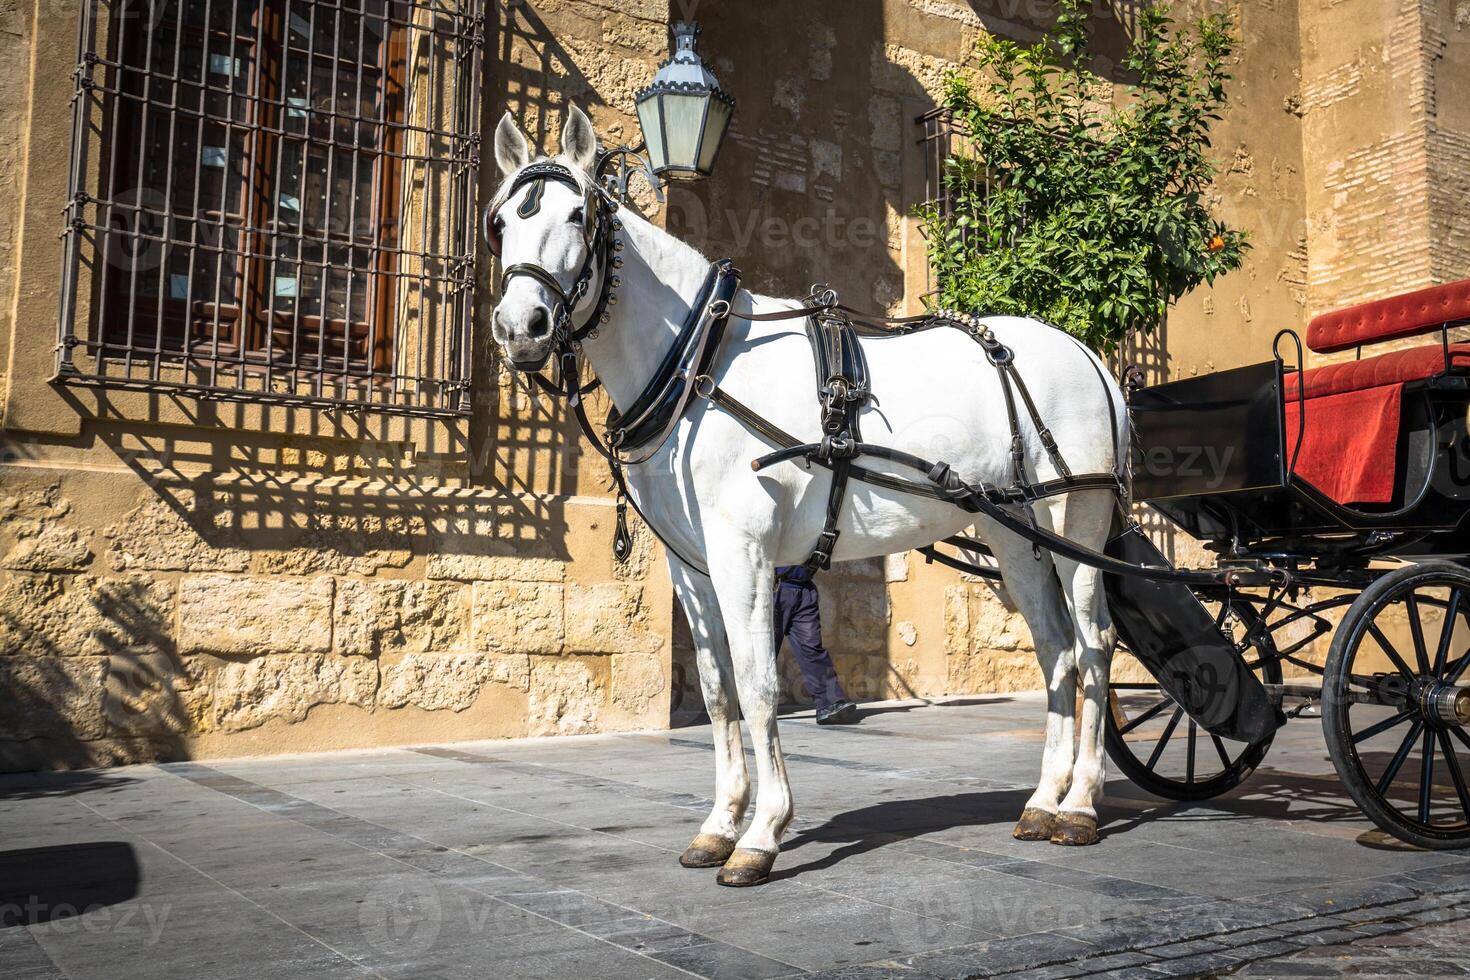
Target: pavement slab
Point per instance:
(558, 858)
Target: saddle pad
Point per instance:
(1350, 449)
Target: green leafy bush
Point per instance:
(1089, 215)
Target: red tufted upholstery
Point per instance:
(1395, 367)
(1389, 319)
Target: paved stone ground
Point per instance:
(557, 858)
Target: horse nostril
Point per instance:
(540, 323)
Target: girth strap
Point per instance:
(842, 390)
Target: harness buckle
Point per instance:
(821, 557)
(704, 387)
(823, 296)
(718, 309)
(838, 446)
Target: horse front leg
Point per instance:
(715, 842)
(744, 580)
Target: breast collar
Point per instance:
(599, 231)
(639, 432)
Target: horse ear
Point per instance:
(578, 141)
(512, 152)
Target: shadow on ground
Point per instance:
(43, 884)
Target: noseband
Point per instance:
(599, 227)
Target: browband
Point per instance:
(537, 173)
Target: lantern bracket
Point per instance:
(617, 166)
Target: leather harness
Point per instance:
(834, 330)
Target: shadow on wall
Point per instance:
(817, 183)
(816, 174)
(125, 684)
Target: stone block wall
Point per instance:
(183, 579)
(153, 626)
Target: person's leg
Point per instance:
(803, 628)
(782, 608)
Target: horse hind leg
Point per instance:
(1032, 585)
(715, 842)
(1089, 519)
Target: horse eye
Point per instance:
(577, 216)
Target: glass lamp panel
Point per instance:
(653, 132)
(714, 133)
(683, 115)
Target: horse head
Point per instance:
(546, 226)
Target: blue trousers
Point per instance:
(798, 620)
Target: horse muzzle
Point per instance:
(530, 363)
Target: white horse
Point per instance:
(939, 399)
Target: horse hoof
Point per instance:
(747, 867)
(707, 851)
(1075, 830)
(1035, 824)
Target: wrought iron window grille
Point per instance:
(942, 140)
(274, 201)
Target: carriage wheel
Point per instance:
(1164, 751)
(1395, 706)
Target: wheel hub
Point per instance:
(1445, 704)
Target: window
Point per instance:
(285, 200)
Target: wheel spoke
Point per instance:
(1416, 630)
(1461, 736)
(1388, 648)
(1426, 776)
(1150, 713)
(1447, 632)
(1397, 762)
(1452, 675)
(1220, 748)
(1453, 762)
(1379, 728)
(1164, 738)
(1193, 737)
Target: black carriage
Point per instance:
(1352, 482)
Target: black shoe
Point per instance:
(841, 713)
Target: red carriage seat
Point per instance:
(1350, 447)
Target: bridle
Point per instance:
(600, 226)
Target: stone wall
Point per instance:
(183, 579)
(145, 622)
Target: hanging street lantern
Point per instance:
(683, 113)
